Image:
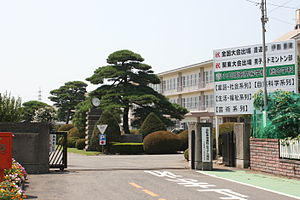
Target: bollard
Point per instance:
(5, 153)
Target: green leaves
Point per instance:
(10, 108)
(67, 97)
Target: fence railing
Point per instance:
(290, 149)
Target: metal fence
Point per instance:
(290, 149)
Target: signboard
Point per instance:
(102, 128)
(102, 139)
(52, 142)
(206, 153)
(239, 74)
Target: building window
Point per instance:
(206, 77)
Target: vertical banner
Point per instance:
(52, 142)
(206, 153)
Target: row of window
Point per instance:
(186, 81)
(196, 101)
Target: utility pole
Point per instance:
(264, 20)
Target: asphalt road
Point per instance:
(137, 177)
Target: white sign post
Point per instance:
(239, 74)
(102, 128)
(52, 142)
(206, 154)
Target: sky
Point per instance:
(46, 43)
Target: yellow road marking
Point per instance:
(135, 185)
(150, 193)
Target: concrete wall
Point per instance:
(30, 145)
(265, 157)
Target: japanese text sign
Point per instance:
(239, 74)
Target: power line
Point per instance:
(280, 5)
(271, 4)
(280, 20)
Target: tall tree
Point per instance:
(125, 83)
(67, 97)
(29, 109)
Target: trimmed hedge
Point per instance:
(74, 132)
(66, 127)
(183, 137)
(186, 154)
(151, 124)
(71, 141)
(161, 142)
(127, 148)
(80, 144)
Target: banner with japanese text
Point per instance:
(238, 74)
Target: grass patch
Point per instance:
(127, 144)
(83, 152)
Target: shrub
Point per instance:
(80, 144)
(135, 132)
(10, 108)
(74, 132)
(66, 127)
(186, 154)
(161, 142)
(127, 148)
(151, 124)
(71, 141)
(112, 131)
(79, 117)
(183, 137)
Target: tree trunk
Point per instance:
(125, 120)
(68, 116)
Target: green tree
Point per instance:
(66, 97)
(283, 114)
(29, 109)
(10, 108)
(125, 83)
(151, 124)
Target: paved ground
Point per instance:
(140, 177)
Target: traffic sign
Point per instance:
(102, 128)
(102, 139)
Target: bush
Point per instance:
(127, 148)
(10, 108)
(183, 137)
(112, 131)
(74, 132)
(80, 144)
(151, 124)
(135, 132)
(186, 154)
(161, 142)
(71, 141)
(66, 127)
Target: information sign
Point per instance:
(239, 74)
(206, 153)
(102, 139)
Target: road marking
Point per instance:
(150, 193)
(145, 190)
(135, 185)
(288, 195)
(205, 187)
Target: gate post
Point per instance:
(200, 146)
